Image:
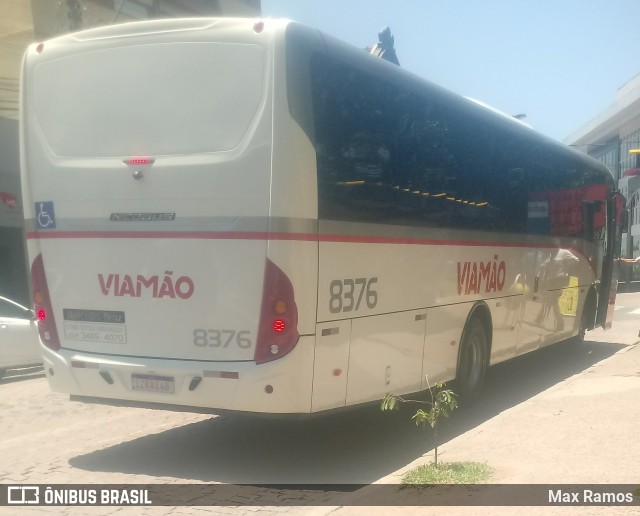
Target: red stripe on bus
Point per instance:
(359, 239)
(264, 235)
(193, 235)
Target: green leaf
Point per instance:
(443, 402)
(389, 402)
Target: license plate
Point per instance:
(152, 383)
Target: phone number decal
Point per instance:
(95, 332)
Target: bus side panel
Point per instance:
(529, 335)
(565, 295)
(385, 355)
(506, 313)
(359, 279)
(442, 342)
(505, 317)
(557, 283)
(331, 365)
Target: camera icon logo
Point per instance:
(23, 495)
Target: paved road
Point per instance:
(539, 422)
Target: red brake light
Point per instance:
(43, 308)
(139, 161)
(278, 328)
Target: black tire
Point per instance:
(473, 361)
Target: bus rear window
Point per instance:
(159, 99)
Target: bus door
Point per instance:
(609, 275)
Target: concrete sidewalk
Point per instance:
(583, 430)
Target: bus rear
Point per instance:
(146, 157)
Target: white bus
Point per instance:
(230, 214)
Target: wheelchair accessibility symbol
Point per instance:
(45, 216)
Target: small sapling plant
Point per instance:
(443, 402)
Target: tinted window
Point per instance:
(148, 99)
(398, 153)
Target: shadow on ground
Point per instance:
(357, 447)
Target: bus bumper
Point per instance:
(281, 386)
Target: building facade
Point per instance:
(23, 22)
(612, 137)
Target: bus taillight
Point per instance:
(278, 328)
(43, 308)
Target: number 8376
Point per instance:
(347, 295)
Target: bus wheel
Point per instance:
(473, 361)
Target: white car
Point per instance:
(19, 340)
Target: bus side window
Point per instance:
(387, 153)
(352, 146)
